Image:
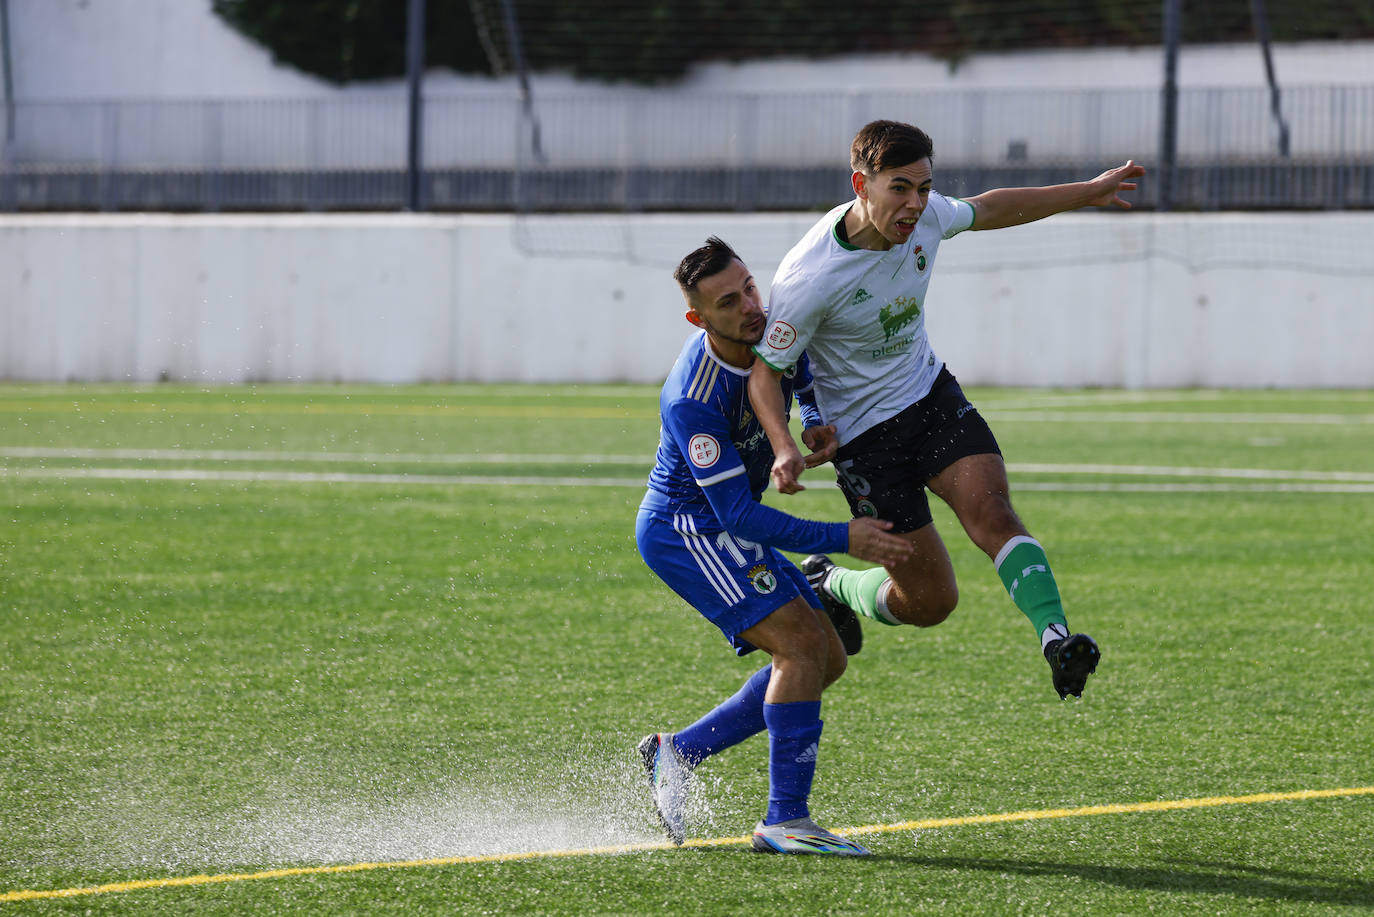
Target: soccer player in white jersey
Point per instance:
(852, 295)
(702, 530)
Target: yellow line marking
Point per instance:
(1165, 805)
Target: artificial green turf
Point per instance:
(224, 676)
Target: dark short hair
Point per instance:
(883, 145)
(712, 258)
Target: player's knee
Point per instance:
(994, 523)
(930, 607)
(941, 608)
(807, 644)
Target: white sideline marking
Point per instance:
(1033, 400)
(1162, 417)
(1269, 474)
(73, 391)
(316, 477)
(1199, 488)
(511, 458)
(1025, 411)
(370, 458)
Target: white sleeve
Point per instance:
(952, 214)
(795, 312)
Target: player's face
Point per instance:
(896, 198)
(729, 307)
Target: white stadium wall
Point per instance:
(1114, 300)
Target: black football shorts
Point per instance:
(883, 471)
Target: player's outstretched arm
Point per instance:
(1003, 207)
(872, 540)
(765, 396)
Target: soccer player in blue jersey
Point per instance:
(702, 529)
(852, 295)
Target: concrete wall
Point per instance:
(1080, 300)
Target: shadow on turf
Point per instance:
(1235, 879)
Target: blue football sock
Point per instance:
(794, 732)
(729, 724)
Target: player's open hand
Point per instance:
(787, 467)
(872, 540)
(822, 443)
(1113, 181)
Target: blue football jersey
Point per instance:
(714, 458)
(709, 432)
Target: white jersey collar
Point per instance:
(711, 352)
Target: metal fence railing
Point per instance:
(640, 149)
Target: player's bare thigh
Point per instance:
(976, 488)
(807, 653)
(924, 590)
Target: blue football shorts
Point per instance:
(735, 584)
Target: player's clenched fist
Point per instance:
(787, 467)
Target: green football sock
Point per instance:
(859, 589)
(1025, 571)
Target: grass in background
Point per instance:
(212, 675)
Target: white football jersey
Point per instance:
(860, 314)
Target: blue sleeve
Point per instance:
(703, 435)
(744, 517)
(805, 390)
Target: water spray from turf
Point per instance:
(596, 798)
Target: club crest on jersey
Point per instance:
(866, 508)
(781, 336)
(897, 314)
(762, 579)
(921, 261)
(703, 450)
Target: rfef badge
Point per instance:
(781, 336)
(703, 450)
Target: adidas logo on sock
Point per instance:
(808, 756)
